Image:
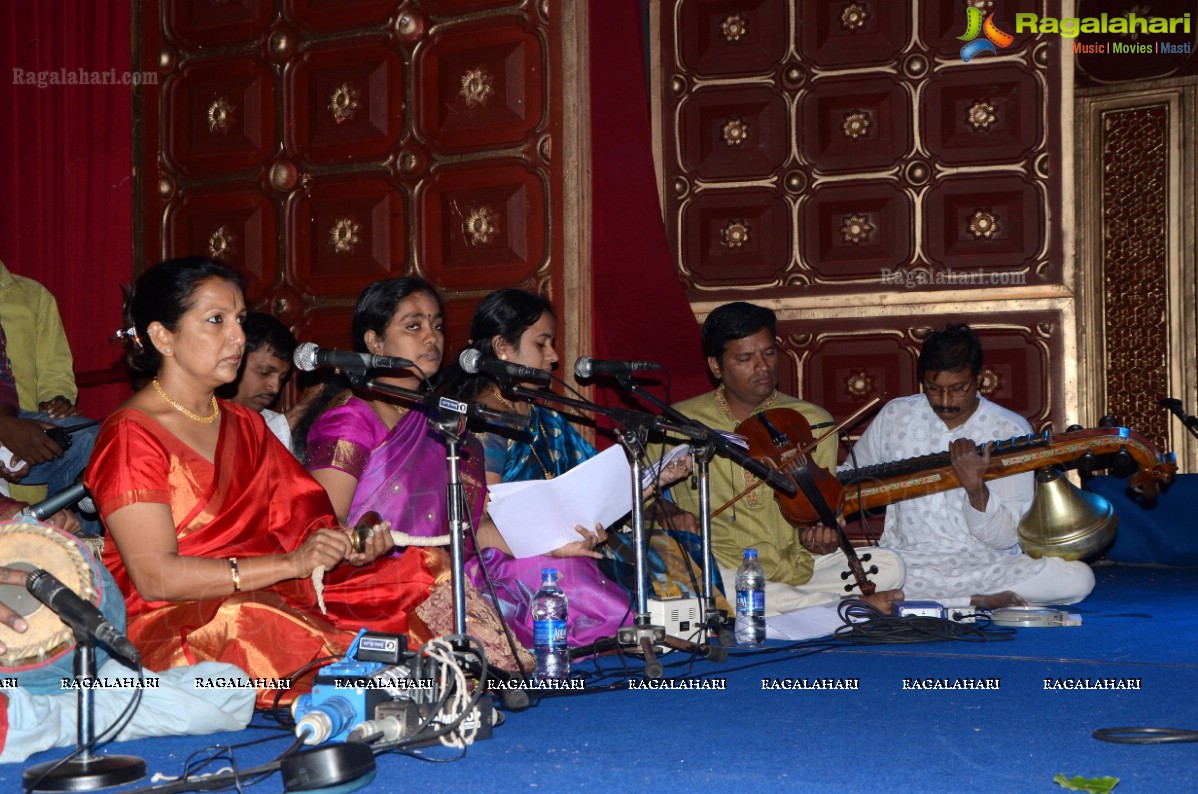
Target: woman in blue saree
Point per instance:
(520, 327)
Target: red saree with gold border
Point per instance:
(256, 499)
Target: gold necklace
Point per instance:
(192, 415)
(505, 402)
(549, 475)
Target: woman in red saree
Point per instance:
(216, 528)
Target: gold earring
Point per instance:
(503, 356)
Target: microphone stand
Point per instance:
(1174, 407)
(705, 443)
(86, 771)
(643, 634)
(448, 417)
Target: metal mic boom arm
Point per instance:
(437, 404)
(679, 424)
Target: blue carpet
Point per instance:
(1138, 624)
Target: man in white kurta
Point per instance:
(961, 546)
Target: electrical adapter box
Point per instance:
(919, 609)
(681, 617)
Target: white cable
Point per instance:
(404, 539)
(399, 538)
(450, 678)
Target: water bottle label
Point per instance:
(549, 633)
(750, 602)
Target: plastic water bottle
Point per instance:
(549, 608)
(750, 601)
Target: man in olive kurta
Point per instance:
(802, 566)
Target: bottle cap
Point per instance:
(750, 554)
(546, 572)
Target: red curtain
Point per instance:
(66, 188)
(640, 309)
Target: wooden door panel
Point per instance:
(323, 16)
(320, 145)
(453, 8)
(346, 232)
(219, 117)
(343, 99)
(729, 37)
(838, 34)
(738, 133)
(735, 238)
(992, 223)
(482, 86)
(857, 231)
(854, 124)
(196, 24)
(479, 224)
(236, 225)
(990, 117)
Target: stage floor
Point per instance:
(905, 718)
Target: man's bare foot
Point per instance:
(1006, 598)
(884, 600)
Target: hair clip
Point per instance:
(129, 334)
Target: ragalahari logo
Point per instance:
(976, 26)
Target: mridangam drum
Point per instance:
(40, 656)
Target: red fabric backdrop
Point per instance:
(66, 189)
(640, 308)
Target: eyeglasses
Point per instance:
(949, 391)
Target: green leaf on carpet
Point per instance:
(1095, 785)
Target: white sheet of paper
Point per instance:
(537, 516)
(654, 469)
(804, 624)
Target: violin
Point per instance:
(780, 438)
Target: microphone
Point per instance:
(310, 356)
(437, 404)
(586, 367)
(63, 499)
(1175, 407)
(473, 362)
(81, 616)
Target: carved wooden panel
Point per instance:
(1098, 63)
(236, 225)
(1135, 267)
(344, 233)
(218, 117)
(916, 187)
(343, 98)
(483, 86)
(891, 134)
(320, 145)
(479, 221)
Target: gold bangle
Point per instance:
(235, 572)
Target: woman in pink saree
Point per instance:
(374, 453)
